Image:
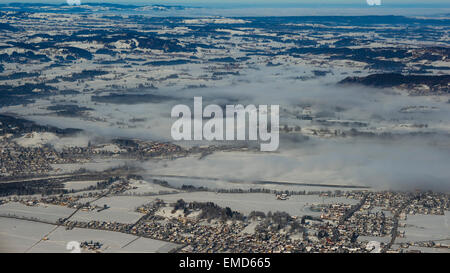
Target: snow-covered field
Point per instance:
(36, 139)
(20, 236)
(44, 212)
(121, 209)
(426, 227)
(429, 249)
(247, 202)
(39, 139)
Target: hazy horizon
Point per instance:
(258, 3)
(283, 8)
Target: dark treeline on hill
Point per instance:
(105, 37)
(18, 75)
(22, 58)
(435, 82)
(43, 187)
(23, 94)
(48, 186)
(367, 55)
(27, 88)
(209, 210)
(171, 62)
(7, 27)
(145, 40)
(85, 74)
(130, 98)
(68, 110)
(274, 221)
(17, 126)
(78, 52)
(68, 107)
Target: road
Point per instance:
(394, 231)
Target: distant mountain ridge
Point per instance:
(34, 7)
(414, 83)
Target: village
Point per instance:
(205, 227)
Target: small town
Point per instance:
(205, 227)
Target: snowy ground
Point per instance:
(247, 202)
(50, 213)
(426, 227)
(121, 209)
(20, 236)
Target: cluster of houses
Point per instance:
(337, 229)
